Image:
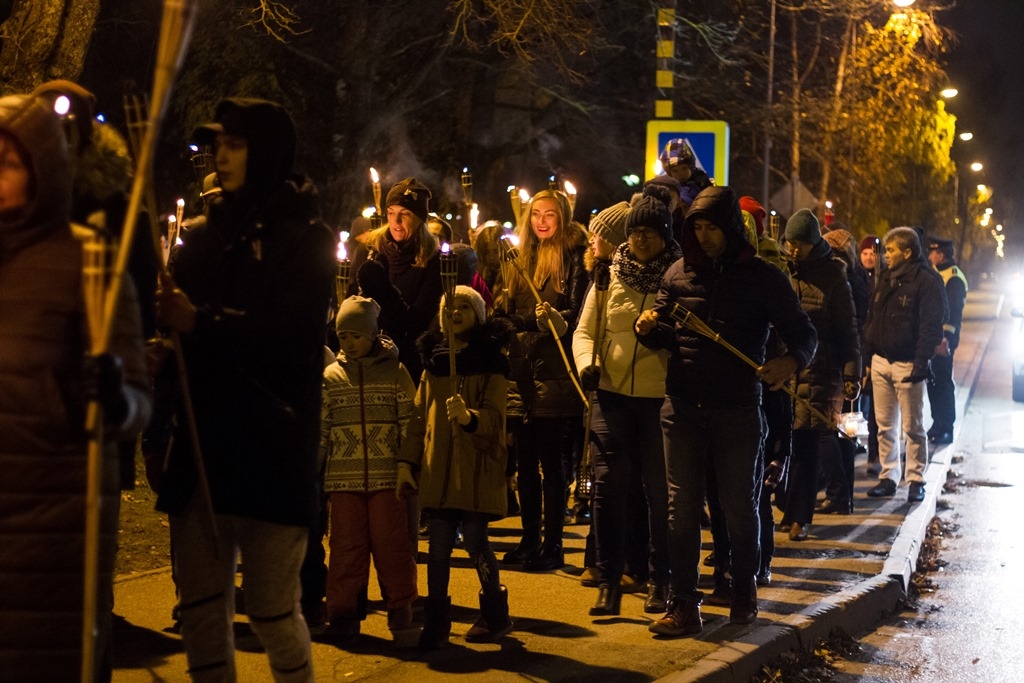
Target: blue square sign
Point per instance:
(709, 140)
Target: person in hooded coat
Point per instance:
(454, 454)
(44, 390)
(711, 417)
(250, 292)
(820, 282)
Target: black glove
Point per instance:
(373, 281)
(919, 374)
(590, 377)
(104, 382)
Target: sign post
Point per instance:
(709, 140)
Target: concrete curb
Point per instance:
(854, 609)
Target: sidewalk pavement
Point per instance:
(850, 573)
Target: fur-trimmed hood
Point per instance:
(486, 353)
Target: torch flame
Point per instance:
(373, 175)
(172, 219)
(445, 248)
(342, 254)
(524, 196)
(181, 202)
(514, 239)
(569, 188)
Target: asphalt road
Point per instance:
(968, 628)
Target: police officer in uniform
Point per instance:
(941, 391)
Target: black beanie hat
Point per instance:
(410, 194)
(652, 213)
(802, 226)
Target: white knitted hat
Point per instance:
(462, 292)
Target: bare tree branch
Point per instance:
(279, 20)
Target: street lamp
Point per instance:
(977, 166)
(949, 93)
(903, 3)
(966, 135)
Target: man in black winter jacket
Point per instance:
(249, 297)
(904, 326)
(711, 419)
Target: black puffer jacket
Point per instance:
(821, 285)
(739, 296)
(261, 273)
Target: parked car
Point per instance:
(1018, 357)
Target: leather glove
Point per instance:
(104, 382)
(851, 388)
(773, 473)
(544, 313)
(374, 283)
(406, 482)
(458, 411)
(590, 377)
(918, 375)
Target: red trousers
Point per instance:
(365, 525)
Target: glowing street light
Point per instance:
(903, 3)
(977, 166)
(949, 93)
(966, 135)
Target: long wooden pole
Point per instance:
(511, 253)
(687, 319)
(175, 30)
(601, 282)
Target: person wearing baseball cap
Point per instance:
(942, 392)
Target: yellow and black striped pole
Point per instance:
(664, 76)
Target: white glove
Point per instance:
(458, 411)
(544, 313)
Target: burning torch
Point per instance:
(343, 278)
(449, 275)
(378, 218)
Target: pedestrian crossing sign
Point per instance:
(708, 139)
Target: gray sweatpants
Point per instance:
(206, 584)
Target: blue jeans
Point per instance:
(444, 524)
(626, 443)
(727, 440)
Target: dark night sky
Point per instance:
(987, 66)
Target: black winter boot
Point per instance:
(744, 601)
(494, 621)
(437, 623)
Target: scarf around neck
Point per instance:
(644, 277)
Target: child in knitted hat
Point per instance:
(367, 404)
(455, 456)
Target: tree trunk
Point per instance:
(44, 40)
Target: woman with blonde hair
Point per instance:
(551, 249)
(403, 274)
